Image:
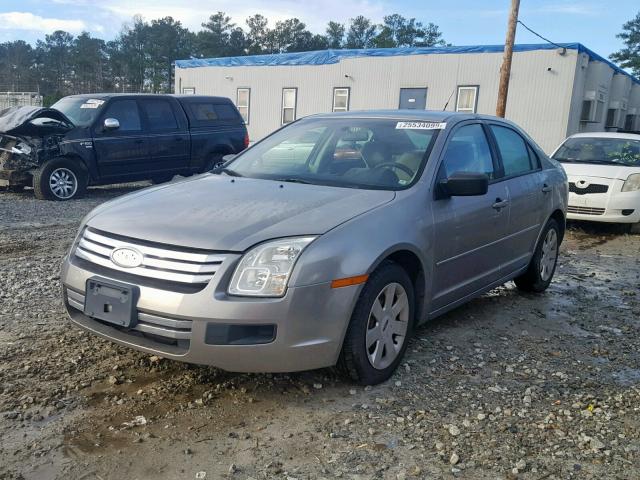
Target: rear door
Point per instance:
(123, 152)
(524, 180)
(169, 141)
(468, 248)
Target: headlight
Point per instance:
(264, 270)
(632, 183)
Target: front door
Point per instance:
(413, 98)
(468, 230)
(124, 151)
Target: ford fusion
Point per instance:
(325, 243)
(604, 177)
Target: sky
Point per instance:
(463, 22)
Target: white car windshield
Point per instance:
(343, 152)
(608, 151)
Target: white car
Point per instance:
(603, 170)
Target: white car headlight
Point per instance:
(632, 183)
(265, 269)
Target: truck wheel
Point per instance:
(162, 178)
(380, 326)
(59, 179)
(543, 264)
(214, 161)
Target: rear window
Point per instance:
(207, 112)
(159, 115)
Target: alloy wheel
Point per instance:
(63, 183)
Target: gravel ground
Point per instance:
(509, 386)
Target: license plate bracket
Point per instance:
(111, 301)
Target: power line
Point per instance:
(540, 36)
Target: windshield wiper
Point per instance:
(228, 171)
(293, 180)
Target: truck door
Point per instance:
(169, 145)
(122, 151)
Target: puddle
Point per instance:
(627, 376)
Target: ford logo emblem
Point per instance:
(127, 257)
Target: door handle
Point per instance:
(546, 188)
(500, 203)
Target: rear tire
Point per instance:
(543, 264)
(380, 326)
(162, 179)
(60, 179)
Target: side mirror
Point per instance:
(228, 157)
(464, 184)
(111, 124)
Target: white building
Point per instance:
(553, 92)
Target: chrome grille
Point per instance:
(585, 210)
(159, 263)
(169, 328)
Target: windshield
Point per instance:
(343, 152)
(609, 151)
(81, 111)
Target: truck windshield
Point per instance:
(81, 111)
(383, 154)
(609, 151)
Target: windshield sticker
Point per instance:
(92, 103)
(421, 125)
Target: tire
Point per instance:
(162, 178)
(543, 264)
(634, 228)
(60, 179)
(213, 162)
(369, 366)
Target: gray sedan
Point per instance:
(278, 262)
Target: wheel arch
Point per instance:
(559, 217)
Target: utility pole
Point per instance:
(505, 70)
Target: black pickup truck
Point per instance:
(111, 138)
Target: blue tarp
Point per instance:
(328, 57)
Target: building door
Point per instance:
(413, 98)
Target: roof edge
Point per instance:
(333, 56)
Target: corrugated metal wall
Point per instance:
(540, 90)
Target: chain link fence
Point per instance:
(19, 99)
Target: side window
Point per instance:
(513, 150)
(159, 115)
(126, 112)
(203, 112)
(226, 112)
(468, 151)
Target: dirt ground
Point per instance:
(509, 386)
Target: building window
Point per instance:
(289, 99)
(341, 99)
(189, 90)
(467, 99)
(243, 97)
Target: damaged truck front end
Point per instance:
(29, 136)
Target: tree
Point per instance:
(131, 44)
(54, 62)
(167, 40)
(215, 39)
(88, 60)
(17, 66)
(335, 34)
(398, 31)
(361, 33)
(629, 56)
(291, 35)
(257, 38)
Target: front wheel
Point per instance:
(59, 179)
(543, 264)
(380, 326)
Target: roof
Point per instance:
(397, 114)
(623, 135)
(328, 57)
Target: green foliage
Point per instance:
(629, 56)
(140, 58)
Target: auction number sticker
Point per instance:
(92, 103)
(421, 125)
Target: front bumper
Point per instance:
(310, 322)
(612, 206)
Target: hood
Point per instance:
(216, 212)
(15, 120)
(612, 172)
